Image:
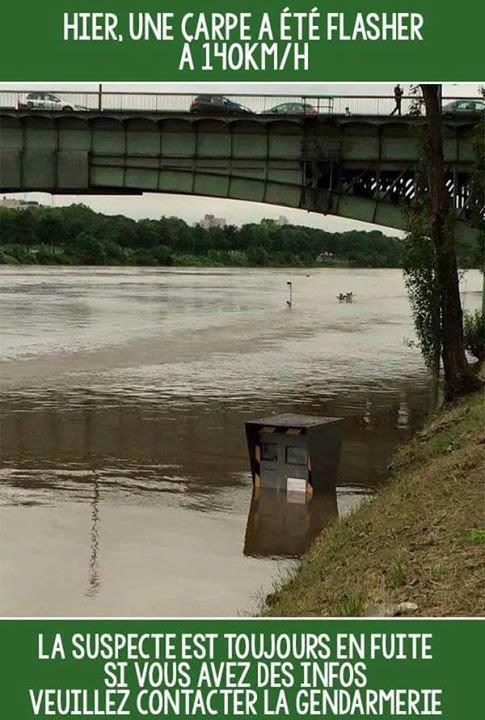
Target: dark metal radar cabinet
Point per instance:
(294, 452)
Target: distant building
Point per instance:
(16, 204)
(282, 220)
(210, 221)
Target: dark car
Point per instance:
(293, 108)
(464, 106)
(218, 104)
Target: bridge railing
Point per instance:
(146, 102)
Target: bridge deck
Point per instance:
(365, 167)
(455, 121)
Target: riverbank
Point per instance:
(42, 257)
(420, 540)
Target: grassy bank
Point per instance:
(421, 540)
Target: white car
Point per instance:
(47, 101)
(464, 106)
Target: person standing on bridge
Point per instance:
(398, 93)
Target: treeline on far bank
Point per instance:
(76, 235)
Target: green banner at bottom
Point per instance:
(242, 668)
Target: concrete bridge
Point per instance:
(355, 166)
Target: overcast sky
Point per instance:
(193, 208)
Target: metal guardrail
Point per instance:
(182, 102)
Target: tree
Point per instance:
(89, 250)
(148, 234)
(50, 228)
(458, 378)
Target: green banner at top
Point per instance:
(183, 40)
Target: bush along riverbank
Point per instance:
(418, 546)
(76, 235)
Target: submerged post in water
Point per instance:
(290, 290)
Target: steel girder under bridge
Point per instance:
(363, 168)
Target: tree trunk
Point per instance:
(458, 378)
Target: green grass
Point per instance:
(476, 536)
(397, 574)
(350, 604)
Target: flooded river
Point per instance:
(124, 478)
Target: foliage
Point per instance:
(420, 280)
(475, 536)
(78, 235)
(474, 333)
(416, 105)
(350, 604)
(476, 203)
(397, 574)
(419, 265)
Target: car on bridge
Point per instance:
(464, 106)
(218, 104)
(47, 101)
(292, 108)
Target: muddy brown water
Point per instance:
(125, 485)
